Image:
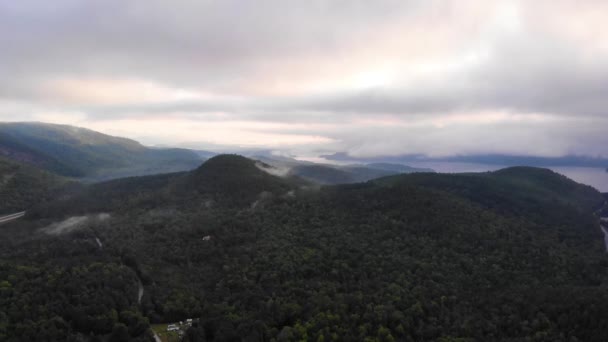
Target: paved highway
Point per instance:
(11, 217)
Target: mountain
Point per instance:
(223, 180)
(235, 179)
(516, 185)
(205, 154)
(22, 186)
(540, 195)
(511, 255)
(78, 152)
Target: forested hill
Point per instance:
(22, 186)
(540, 195)
(78, 152)
(512, 255)
(236, 179)
(514, 186)
(225, 181)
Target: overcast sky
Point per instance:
(311, 77)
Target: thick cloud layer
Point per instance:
(383, 77)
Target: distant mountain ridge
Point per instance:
(337, 174)
(400, 168)
(82, 153)
(489, 159)
(88, 155)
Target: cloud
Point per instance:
(436, 77)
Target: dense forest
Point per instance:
(511, 255)
(22, 186)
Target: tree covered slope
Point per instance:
(540, 195)
(512, 186)
(78, 152)
(23, 186)
(513, 255)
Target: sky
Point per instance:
(313, 77)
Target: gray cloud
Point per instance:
(553, 81)
(392, 77)
(185, 42)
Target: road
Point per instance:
(603, 224)
(11, 217)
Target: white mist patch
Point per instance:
(74, 223)
(273, 170)
(103, 216)
(68, 225)
(5, 179)
(262, 197)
